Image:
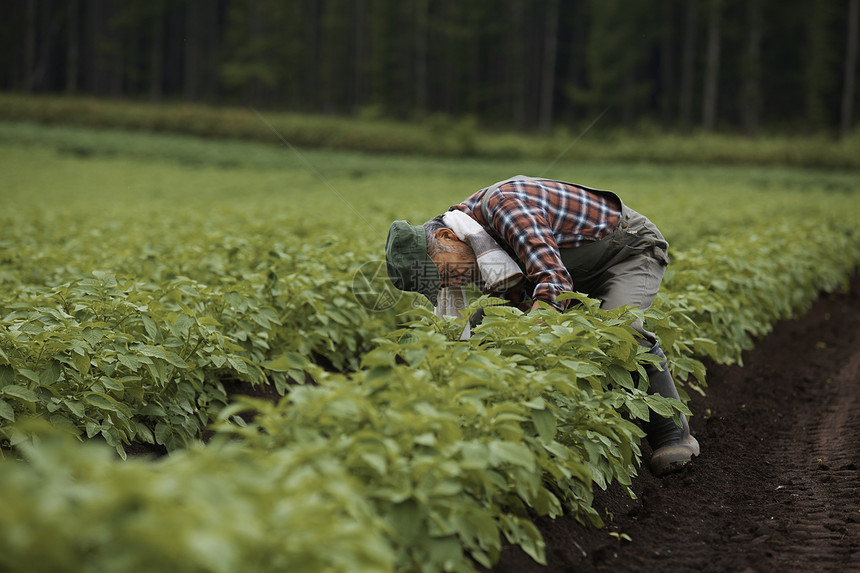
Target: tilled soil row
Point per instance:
(777, 487)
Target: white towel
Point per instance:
(450, 301)
(498, 270)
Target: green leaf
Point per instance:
(76, 407)
(638, 408)
(184, 324)
(150, 327)
(111, 384)
(661, 406)
(620, 376)
(445, 550)
(92, 335)
(50, 374)
(19, 392)
(512, 453)
(106, 402)
(406, 520)
(130, 361)
(238, 364)
(476, 455)
(163, 433)
(153, 410)
(101, 401)
(152, 351)
(545, 424)
(536, 403)
(7, 375)
(29, 374)
(82, 363)
(524, 533)
(286, 362)
(582, 369)
(144, 433)
(93, 429)
(174, 359)
(375, 461)
(414, 356)
(6, 411)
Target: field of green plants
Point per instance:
(438, 135)
(143, 278)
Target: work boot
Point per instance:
(672, 446)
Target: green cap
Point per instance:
(409, 266)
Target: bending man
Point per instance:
(555, 237)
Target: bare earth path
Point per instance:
(777, 487)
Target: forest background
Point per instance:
(734, 66)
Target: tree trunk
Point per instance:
(686, 96)
(311, 19)
(212, 49)
(548, 69)
(334, 26)
(819, 65)
(850, 70)
(156, 62)
(192, 51)
(72, 48)
(712, 67)
(30, 48)
(578, 33)
(105, 50)
(750, 103)
(131, 64)
(216, 55)
(667, 69)
(116, 57)
(122, 64)
(422, 8)
(50, 24)
(470, 91)
(93, 39)
(359, 84)
(516, 68)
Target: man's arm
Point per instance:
(525, 228)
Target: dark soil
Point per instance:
(777, 485)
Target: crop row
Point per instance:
(405, 448)
(132, 361)
(440, 449)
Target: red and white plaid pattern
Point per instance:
(533, 219)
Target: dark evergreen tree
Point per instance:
(850, 73)
(526, 64)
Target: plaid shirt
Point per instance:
(533, 219)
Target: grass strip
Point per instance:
(437, 136)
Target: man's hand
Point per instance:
(537, 306)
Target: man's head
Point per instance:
(423, 258)
(454, 258)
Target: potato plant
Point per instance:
(132, 293)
